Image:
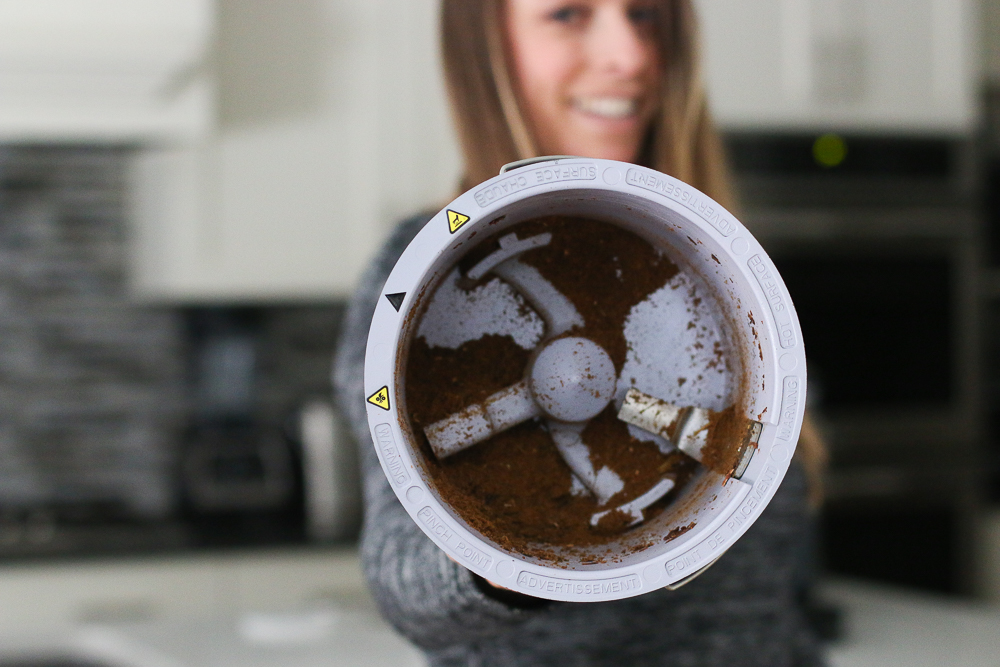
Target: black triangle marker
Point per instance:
(396, 299)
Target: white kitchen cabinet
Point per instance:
(843, 65)
(332, 125)
(104, 70)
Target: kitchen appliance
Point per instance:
(239, 474)
(467, 274)
(882, 256)
(330, 482)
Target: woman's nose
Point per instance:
(617, 44)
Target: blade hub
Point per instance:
(573, 379)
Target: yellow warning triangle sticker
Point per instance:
(380, 398)
(456, 220)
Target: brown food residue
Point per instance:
(514, 488)
(604, 270)
(614, 522)
(677, 532)
(727, 431)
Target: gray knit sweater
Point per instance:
(742, 611)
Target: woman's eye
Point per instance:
(643, 15)
(569, 14)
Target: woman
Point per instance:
(614, 79)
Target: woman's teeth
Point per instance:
(607, 107)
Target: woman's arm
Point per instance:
(430, 599)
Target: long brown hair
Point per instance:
(682, 139)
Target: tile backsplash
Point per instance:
(91, 385)
(96, 389)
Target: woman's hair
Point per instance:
(682, 140)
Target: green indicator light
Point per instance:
(829, 150)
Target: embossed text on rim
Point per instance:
(767, 278)
(537, 582)
(789, 408)
(522, 179)
(711, 212)
(390, 454)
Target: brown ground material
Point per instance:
(441, 381)
(604, 274)
(614, 522)
(514, 488)
(639, 464)
(727, 431)
(677, 532)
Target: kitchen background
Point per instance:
(189, 190)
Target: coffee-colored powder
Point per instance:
(604, 270)
(515, 488)
(614, 522)
(727, 430)
(638, 463)
(677, 532)
(442, 381)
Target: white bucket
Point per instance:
(709, 245)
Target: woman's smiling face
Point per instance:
(587, 73)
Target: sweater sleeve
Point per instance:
(430, 599)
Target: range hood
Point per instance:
(104, 70)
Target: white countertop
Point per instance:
(310, 609)
(889, 626)
(884, 627)
(327, 636)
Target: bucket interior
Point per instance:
(718, 311)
